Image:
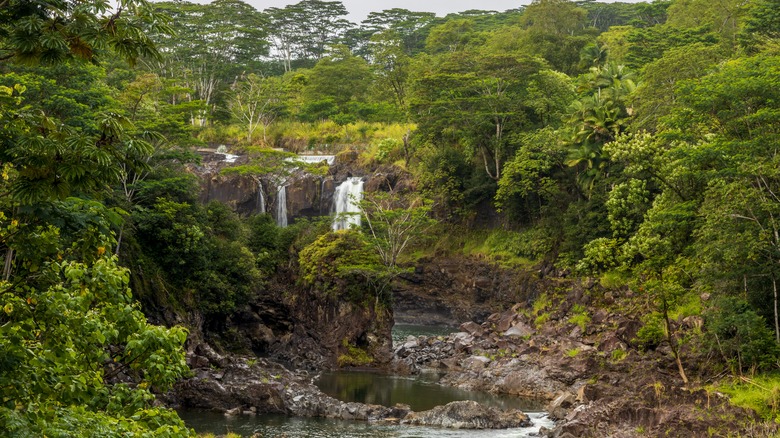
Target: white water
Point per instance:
(312, 159)
(229, 158)
(260, 197)
(281, 206)
(345, 204)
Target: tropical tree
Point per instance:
(257, 101)
(69, 326)
(479, 99)
(303, 31)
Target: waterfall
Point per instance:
(260, 197)
(345, 203)
(281, 206)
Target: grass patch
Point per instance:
(689, 305)
(573, 352)
(613, 280)
(760, 393)
(618, 355)
(354, 356)
(579, 316)
(541, 319)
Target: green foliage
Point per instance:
(613, 280)
(66, 337)
(579, 316)
(511, 248)
(618, 355)
(626, 206)
(52, 32)
(652, 332)
(541, 309)
(331, 263)
(601, 255)
(354, 356)
(741, 336)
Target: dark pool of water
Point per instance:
(420, 393)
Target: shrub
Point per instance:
(741, 335)
(331, 265)
(652, 333)
(354, 356)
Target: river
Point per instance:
(420, 393)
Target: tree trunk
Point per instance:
(406, 148)
(777, 320)
(119, 239)
(9, 258)
(672, 341)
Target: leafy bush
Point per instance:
(600, 255)
(332, 265)
(740, 335)
(354, 356)
(652, 333)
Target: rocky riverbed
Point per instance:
(250, 386)
(595, 381)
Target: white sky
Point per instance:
(359, 9)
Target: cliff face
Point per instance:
(307, 195)
(239, 192)
(295, 326)
(450, 290)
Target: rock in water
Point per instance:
(468, 415)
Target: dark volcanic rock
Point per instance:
(467, 415)
(255, 385)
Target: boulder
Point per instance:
(560, 407)
(476, 362)
(467, 415)
(472, 328)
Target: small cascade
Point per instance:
(229, 158)
(260, 197)
(313, 159)
(345, 203)
(281, 206)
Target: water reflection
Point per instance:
(420, 393)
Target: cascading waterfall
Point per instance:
(345, 203)
(281, 205)
(260, 197)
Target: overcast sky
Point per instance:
(359, 9)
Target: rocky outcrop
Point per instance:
(309, 196)
(467, 415)
(239, 192)
(585, 368)
(449, 290)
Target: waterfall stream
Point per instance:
(281, 206)
(346, 201)
(260, 197)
